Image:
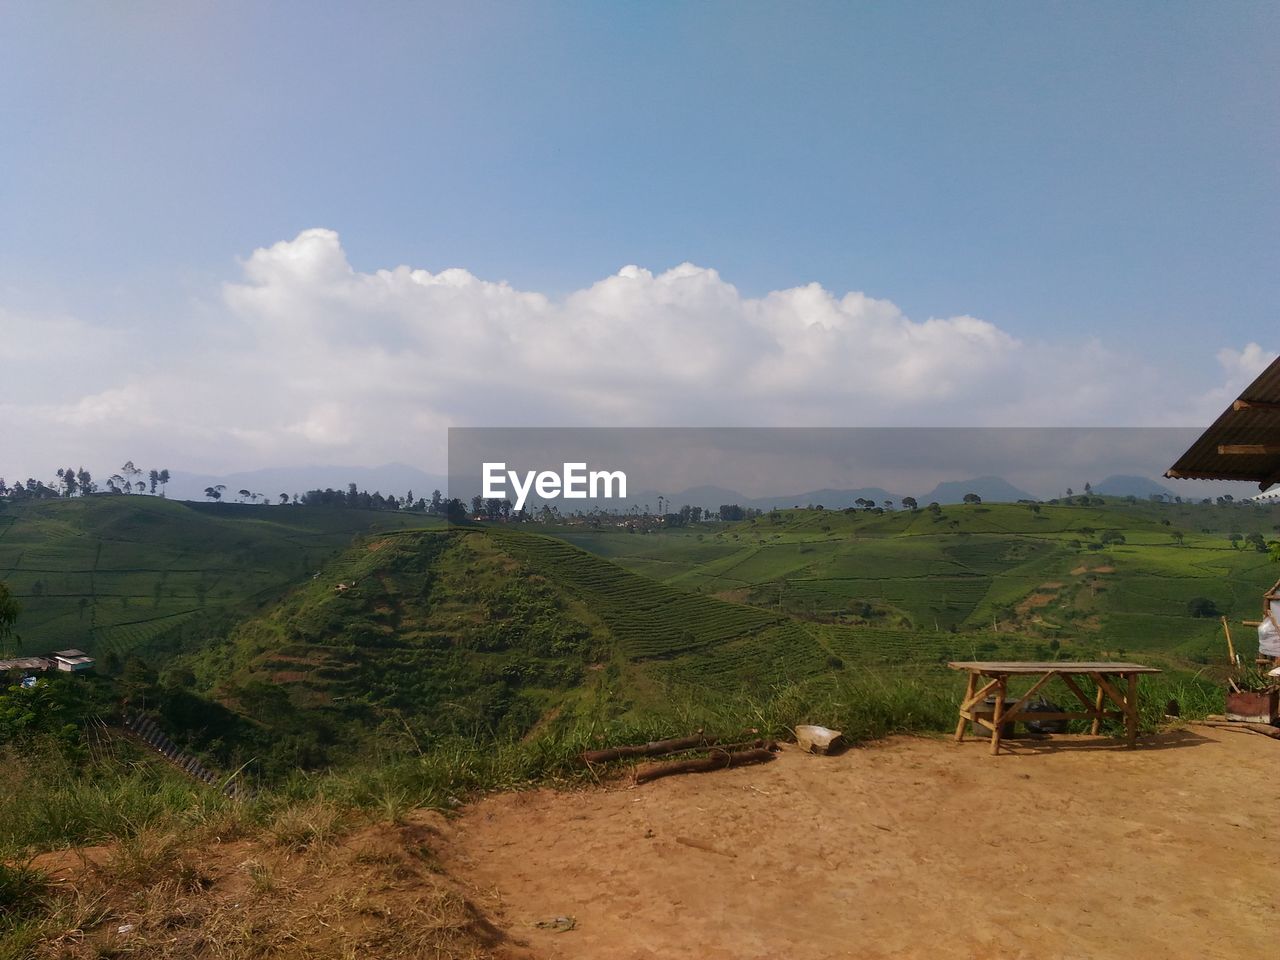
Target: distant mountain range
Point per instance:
(713, 497)
(996, 489)
(990, 489)
(399, 479)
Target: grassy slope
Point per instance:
(125, 573)
(414, 634)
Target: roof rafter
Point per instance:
(1268, 405)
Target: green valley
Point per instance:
(306, 637)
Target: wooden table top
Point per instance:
(1049, 666)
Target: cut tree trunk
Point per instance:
(718, 760)
(655, 748)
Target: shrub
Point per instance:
(1202, 607)
(22, 892)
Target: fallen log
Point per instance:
(1263, 728)
(718, 760)
(654, 748)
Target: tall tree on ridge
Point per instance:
(130, 472)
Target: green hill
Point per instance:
(128, 574)
(485, 632)
(489, 631)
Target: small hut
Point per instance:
(1242, 444)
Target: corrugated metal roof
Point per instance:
(1240, 423)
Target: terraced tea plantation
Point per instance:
(124, 574)
(649, 619)
(1108, 577)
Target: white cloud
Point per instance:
(1239, 369)
(1242, 366)
(327, 425)
(305, 359)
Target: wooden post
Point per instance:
(1131, 711)
(997, 715)
(963, 723)
(1098, 700)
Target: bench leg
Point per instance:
(998, 715)
(963, 724)
(1131, 711)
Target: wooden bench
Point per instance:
(1124, 695)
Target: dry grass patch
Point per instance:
(303, 826)
(304, 890)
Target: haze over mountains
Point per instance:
(992, 489)
(399, 479)
(390, 478)
(1126, 486)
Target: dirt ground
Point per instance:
(1070, 848)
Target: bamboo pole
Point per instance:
(1131, 711)
(1099, 698)
(964, 706)
(998, 715)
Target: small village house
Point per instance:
(72, 661)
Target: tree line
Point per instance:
(352, 498)
(79, 482)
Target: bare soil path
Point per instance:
(1070, 848)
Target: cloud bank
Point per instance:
(303, 359)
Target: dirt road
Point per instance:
(906, 848)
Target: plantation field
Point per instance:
(1112, 576)
(122, 574)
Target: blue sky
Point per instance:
(1080, 176)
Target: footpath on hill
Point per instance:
(1068, 848)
